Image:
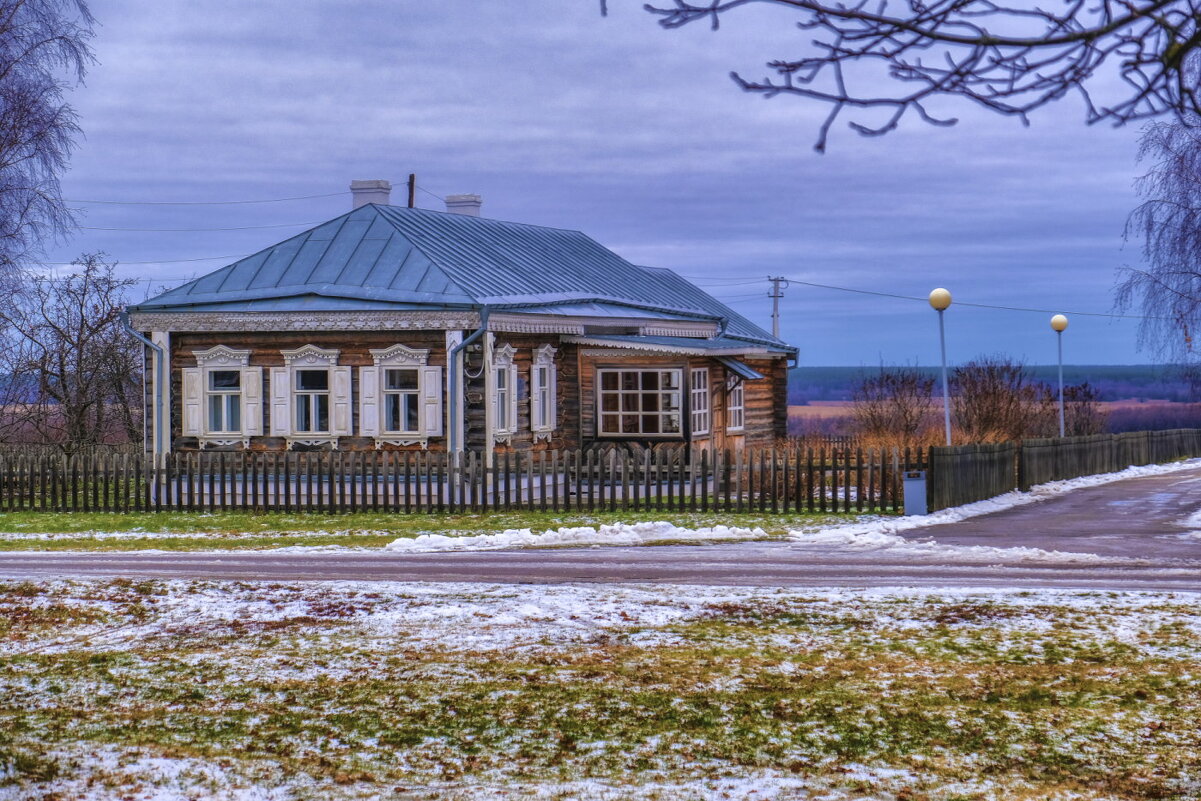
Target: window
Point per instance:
(312, 401)
(401, 401)
(311, 397)
(224, 399)
(639, 402)
(400, 397)
(503, 423)
(543, 403)
(504, 393)
(699, 398)
(735, 414)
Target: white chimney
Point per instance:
(365, 192)
(468, 205)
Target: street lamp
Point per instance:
(940, 300)
(1059, 324)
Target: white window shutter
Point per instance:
(513, 398)
(431, 400)
(535, 398)
(193, 401)
(369, 416)
(252, 401)
(552, 394)
(341, 425)
(281, 402)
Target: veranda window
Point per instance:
(699, 397)
(639, 402)
(735, 413)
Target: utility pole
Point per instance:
(412, 189)
(778, 285)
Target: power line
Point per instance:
(202, 230)
(431, 194)
(979, 305)
(203, 202)
(155, 261)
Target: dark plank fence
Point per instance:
(763, 481)
(1044, 460)
(968, 473)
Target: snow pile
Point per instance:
(878, 540)
(616, 534)
(881, 535)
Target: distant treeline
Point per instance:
(1112, 382)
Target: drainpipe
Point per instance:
(160, 440)
(453, 443)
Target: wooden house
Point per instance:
(405, 328)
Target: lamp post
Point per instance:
(1059, 324)
(940, 300)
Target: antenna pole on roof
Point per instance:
(777, 292)
(412, 189)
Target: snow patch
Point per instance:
(881, 535)
(616, 534)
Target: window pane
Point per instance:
(609, 402)
(609, 423)
(392, 412)
(671, 379)
(650, 380)
(312, 379)
(629, 380)
(650, 402)
(233, 413)
(671, 401)
(303, 417)
(671, 424)
(629, 403)
(401, 379)
(225, 379)
(215, 422)
(410, 412)
(629, 424)
(609, 380)
(650, 424)
(322, 412)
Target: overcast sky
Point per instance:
(615, 127)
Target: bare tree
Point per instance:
(74, 375)
(1082, 410)
(44, 51)
(893, 407)
(1167, 289)
(895, 58)
(994, 400)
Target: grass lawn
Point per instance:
(176, 690)
(74, 531)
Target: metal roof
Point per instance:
(744, 370)
(384, 257)
(715, 346)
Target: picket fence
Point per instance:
(752, 480)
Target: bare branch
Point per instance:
(952, 48)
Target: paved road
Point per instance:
(1133, 524)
